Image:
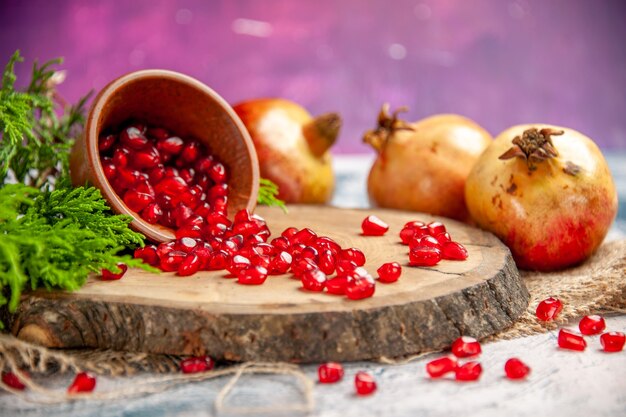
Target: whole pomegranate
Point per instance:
(293, 147)
(546, 192)
(422, 166)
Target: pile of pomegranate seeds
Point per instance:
(167, 180)
(430, 243)
(463, 347)
(83, 382)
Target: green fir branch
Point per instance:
(268, 192)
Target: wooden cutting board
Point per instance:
(278, 321)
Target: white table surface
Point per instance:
(562, 383)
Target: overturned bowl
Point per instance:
(184, 106)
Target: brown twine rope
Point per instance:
(599, 285)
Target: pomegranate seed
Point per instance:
(327, 261)
(157, 133)
(424, 256)
(238, 263)
(280, 264)
(165, 248)
(217, 172)
(309, 252)
(218, 261)
(254, 275)
(304, 237)
(204, 164)
(190, 265)
(171, 186)
(105, 142)
(406, 235)
(186, 244)
(139, 126)
(148, 254)
(187, 175)
(441, 366)
(424, 241)
(434, 228)
(203, 252)
(313, 280)
(171, 262)
(13, 381)
(261, 260)
(359, 288)
(289, 232)
(590, 325)
(344, 267)
(469, 371)
(443, 238)
(364, 383)
(242, 216)
(302, 265)
(120, 157)
(83, 382)
(191, 151)
(181, 213)
(549, 309)
(152, 213)
(465, 347)
(189, 230)
(196, 364)
(330, 372)
(109, 168)
(146, 158)
(111, 276)
(516, 369)
(353, 254)
(137, 201)
(337, 285)
(172, 145)
(280, 243)
(570, 340)
(133, 137)
(324, 242)
(389, 272)
(373, 226)
(453, 251)
(612, 341)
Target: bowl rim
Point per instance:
(155, 232)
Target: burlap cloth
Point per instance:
(597, 286)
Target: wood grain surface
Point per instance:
(210, 314)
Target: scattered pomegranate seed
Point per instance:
(254, 275)
(373, 226)
(453, 251)
(570, 340)
(441, 366)
(196, 364)
(469, 371)
(424, 256)
(330, 372)
(389, 272)
(590, 325)
(13, 381)
(612, 341)
(359, 288)
(549, 309)
(313, 280)
(516, 369)
(364, 383)
(110, 276)
(84, 382)
(465, 347)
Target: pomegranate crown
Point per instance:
(388, 123)
(534, 146)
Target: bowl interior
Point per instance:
(188, 109)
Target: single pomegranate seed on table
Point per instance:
(112, 276)
(330, 372)
(465, 347)
(590, 325)
(196, 364)
(83, 382)
(360, 288)
(364, 383)
(453, 251)
(373, 226)
(613, 341)
(254, 275)
(570, 340)
(13, 381)
(190, 265)
(441, 366)
(549, 309)
(313, 280)
(424, 256)
(337, 285)
(389, 272)
(469, 371)
(516, 369)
